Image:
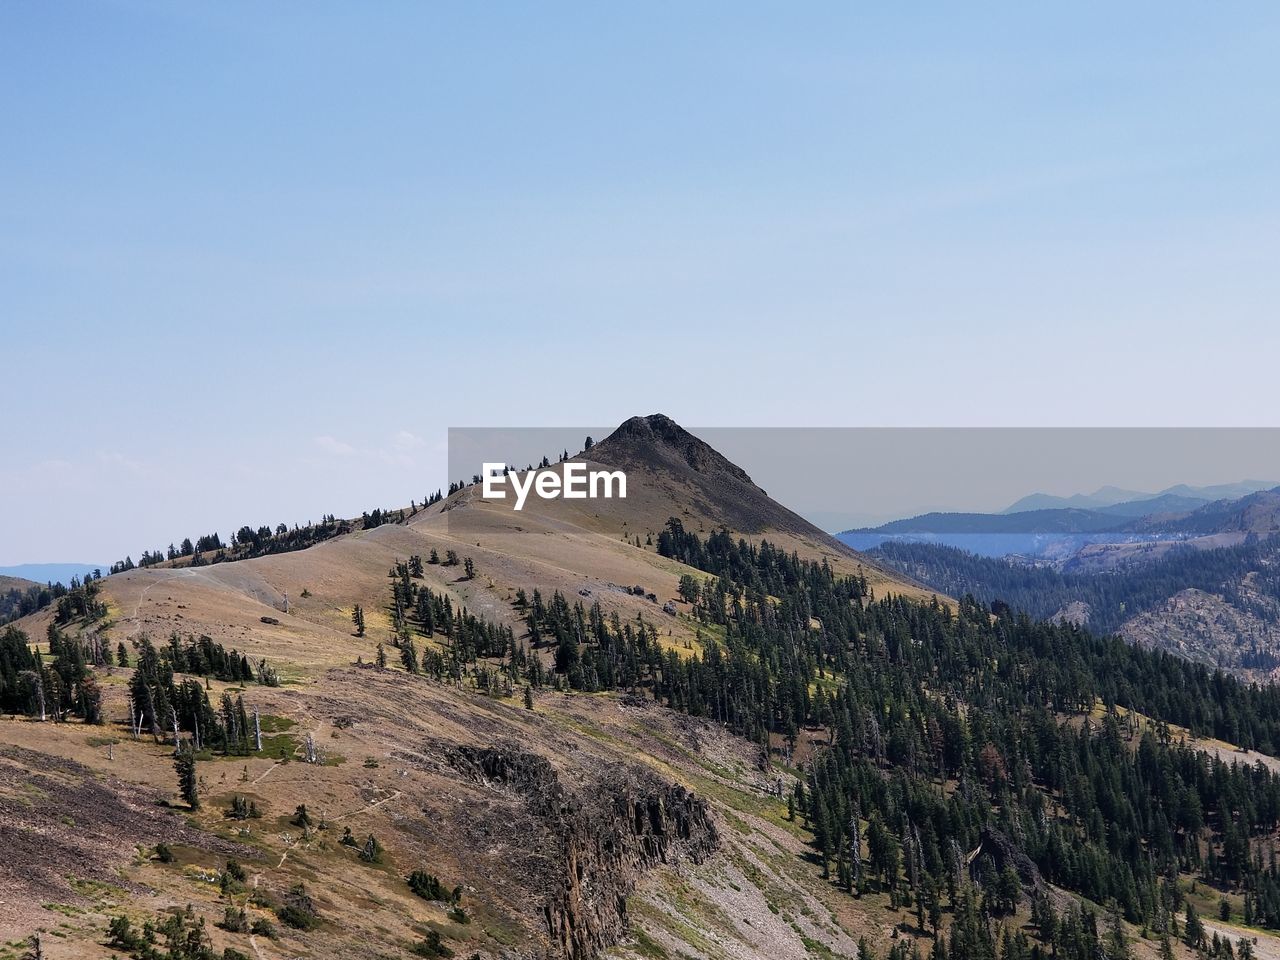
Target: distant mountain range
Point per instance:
(1134, 503)
(52, 572)
(1061, 534)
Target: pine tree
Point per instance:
(90, 700)
(1117, 941)
(184, 762)
(528, 697)
(409, 655)
(1193, 929)
(357, 618)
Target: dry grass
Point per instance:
(385, 735)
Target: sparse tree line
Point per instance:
(64, 685)
(79, 601)
(162, 706)
(55, 690)
(204, 657)
(416, 610)
(543, 464)
(260, 541)
(245, 543)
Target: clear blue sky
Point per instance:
(255, 258)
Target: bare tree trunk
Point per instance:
(37, 683)
(151, 712)
(855, 851)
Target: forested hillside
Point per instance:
(957, 778)
(1112, 598)
(956, 750)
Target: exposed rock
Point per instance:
(1240, 633)
(1076, 612)
(1002, 852)
(602, 838)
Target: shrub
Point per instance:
(427, 886)
(120, 934)
(235, 920)
(263, 928)
(430, 946)
(243, 809)
(298, 909)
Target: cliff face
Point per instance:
(598, 841)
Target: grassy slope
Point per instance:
(384, 735)
(408, 799)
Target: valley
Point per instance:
(1199, 581)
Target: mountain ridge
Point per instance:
(44, 573)
(665, 783)
(1112, 496)
(395, 739)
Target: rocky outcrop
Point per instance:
(1240, 633)
(603, 838)
(1001, 852)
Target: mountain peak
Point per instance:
(658, 441)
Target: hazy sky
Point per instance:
(256, 258)
(842, 477)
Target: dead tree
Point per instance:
(855, 852)
(37, 685)
(150, 712)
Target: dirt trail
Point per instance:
(355, 813)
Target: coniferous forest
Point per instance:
(956, 743)
(956, 759)
(1112, 597)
